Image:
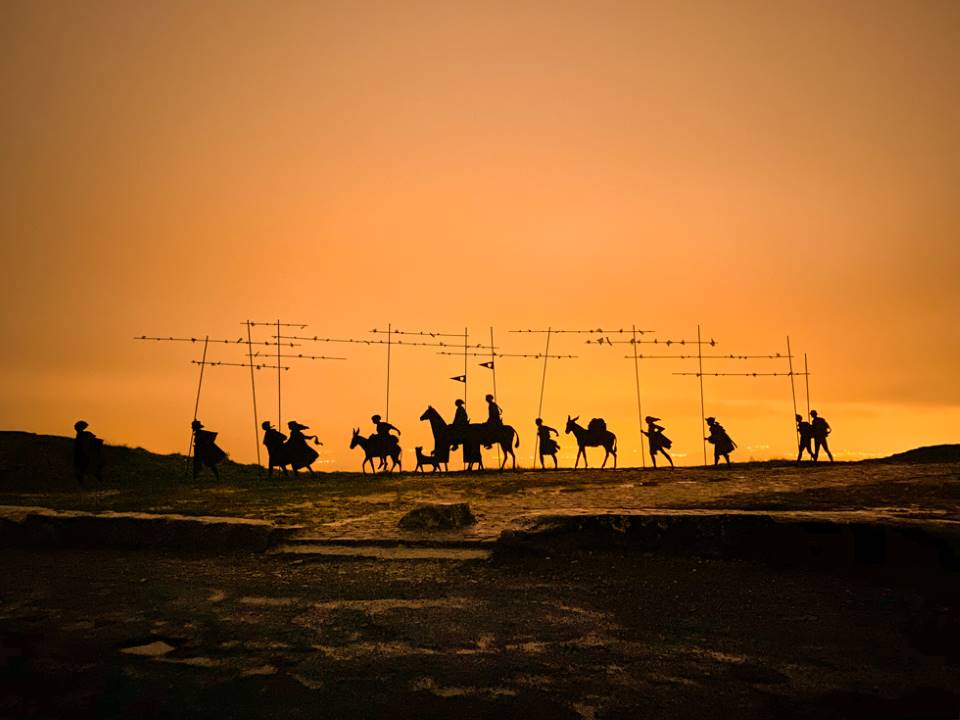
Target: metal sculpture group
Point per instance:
(294, 453)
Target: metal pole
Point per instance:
(465, 367)
(389, 343)
(636, 376)
(279, 406)
(793, 392)
(543, 382)
(253, 390)
(493, 368)
(806, 375)
(700, 376)
(196, 404)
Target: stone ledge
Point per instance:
(42, 527)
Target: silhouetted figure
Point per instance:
(460, 418)
(820, 429)
(494, 417)
(458, 428)
(205, 450)
(296, 451)
(594, 435)
(806, 437)
(548, 446)
(722, 443)
(445, 436)
(87, 453)
(383, 439)
(373, 448)
(657, 440)
(276, 452)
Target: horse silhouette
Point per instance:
(592, 437)
(373, 448)
(471, 437)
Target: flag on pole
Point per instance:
(488, 364)
(460, 378)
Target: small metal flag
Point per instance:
(460, 378)
(488, 364)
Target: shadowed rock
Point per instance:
(437, 516)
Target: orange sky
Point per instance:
(760, 168)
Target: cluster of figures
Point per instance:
(294, 451)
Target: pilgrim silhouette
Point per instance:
(296, 450)
(205, 450)
(548, 446)
(87, 453)
(820, 429)
(722, 443)
(806, 437)
(471, 436)
(374, 447)
(274, 440)
(657, 440)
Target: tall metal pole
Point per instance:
(279, 405)
(253, 390)
(389, 343)
(196, 404)
(543, 382)
(793, 391)
(636, 376)
(700, 376)
(493, 368)
(465, 366)
(806, 375)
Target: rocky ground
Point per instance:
(504, 618)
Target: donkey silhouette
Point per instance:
(596, 435)
(373, 448)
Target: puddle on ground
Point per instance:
(373, 607)
(269, 601)
(158, 648)
(385, 553)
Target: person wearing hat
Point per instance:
(820, 429)
(657, 440)
(274, 441)
(805, 433)
(205, 450)
(87, 452)
(296, 451)
(548, 446)
(722, 443)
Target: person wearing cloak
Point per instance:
(722, 443)
(87, 453)
(548, 446)
(205, 450)
(274, 440)
(657, 440)
(820, 429)
(296, 450)
(494, 419)
(805, 432)
(460, 425)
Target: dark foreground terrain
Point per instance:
(837, 596)
(608, 635)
